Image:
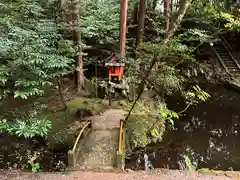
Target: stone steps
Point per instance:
(228, 59)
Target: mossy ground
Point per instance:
(219, 172)
(65, 124)
(93, 104)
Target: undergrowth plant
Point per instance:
(187, 164)
(27, 128)
(28, 124)
(35, 166)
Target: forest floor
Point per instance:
(160, 174)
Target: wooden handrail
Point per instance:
(225, 41)
(221, 61)
(79, 135)
(120, 136)
(227, 47)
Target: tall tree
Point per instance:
(123, 24)
(79, 77)
(141, 20)
(167, 14)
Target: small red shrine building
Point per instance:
(115, 68)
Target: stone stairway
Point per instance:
(227, 57)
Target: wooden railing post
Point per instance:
(121, 146)
(74, 153)
(71, 159)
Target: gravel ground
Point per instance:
(80, 175)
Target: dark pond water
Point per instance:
(208, 133)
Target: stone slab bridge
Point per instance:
(100, 143)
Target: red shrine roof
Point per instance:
(115, 61)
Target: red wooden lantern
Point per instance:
(115, 68)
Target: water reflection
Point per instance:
(208, 134)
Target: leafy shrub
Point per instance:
(26, 128)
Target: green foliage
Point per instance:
(196, 95)
(187, 164)
(208, 12)
(196, 35)
(4, 125)
(27, 125)
(233, 23)
(35, 166)
(166, 76)
(140, 122)
(30, 59)
(31, 129)
(100, 21)
(168, 115)
(137, 131)
(26, 128)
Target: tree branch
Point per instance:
(184, 4)
(182, 111)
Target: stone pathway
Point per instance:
(110, 119)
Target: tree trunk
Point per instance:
(227, 4)
(79, 76)
(167, 14)
(61, 95)
(141, 19)
(183, 6)
(134, 22)
(58, 20)
(123, 24)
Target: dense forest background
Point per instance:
(38, 41)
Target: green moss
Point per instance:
(93, 104)
(61, 129)
(233, 174)
(141, 122)
(137, 130)
(211, 171)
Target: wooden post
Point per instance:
(71, 159)
(123, 24)
(110, 98)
